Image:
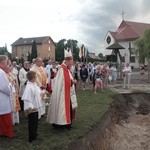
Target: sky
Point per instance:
(86, 21)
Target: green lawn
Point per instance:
(91, 108)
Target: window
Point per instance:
(123, 59)
(132, 59)
(108, 39)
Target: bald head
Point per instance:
(3, 61)
(38, 61)
(2, 58)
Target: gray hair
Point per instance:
(2, 58)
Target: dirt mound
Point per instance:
(124, 126)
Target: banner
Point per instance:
(81, 53)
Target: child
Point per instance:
(98, 79)
(142, 69)
(32, 104)
(83, 75)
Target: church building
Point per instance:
(125, 36)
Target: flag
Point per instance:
(85, 52)
(81, 53)
(86, 55)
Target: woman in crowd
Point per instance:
(98, 79)
(114, 74)
(83, 75)
(127, 75)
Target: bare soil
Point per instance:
(125, 126)
(131, 135)
(133, 132)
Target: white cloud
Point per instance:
(84, 20)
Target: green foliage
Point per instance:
(4, 51)
(63, 44)
(91, 108)
(60, 46)
(29, 57)
(100, 55)
(143, 46)
(74, 47)
(143, 49)
(34, 50)
(147, 43)
(140, 52)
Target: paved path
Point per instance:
(134, 87)
(138, 83)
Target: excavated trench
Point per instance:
(125, 126)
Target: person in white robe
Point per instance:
(14, 94)
(32, 104)
(6, 128)
(48, 67)
(15, 74)
(63, 101)
(23, 80)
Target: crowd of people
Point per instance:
(26, 88)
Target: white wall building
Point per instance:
(125, 35)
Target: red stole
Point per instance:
(1, 68)
(67, 85)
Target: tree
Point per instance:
(60, 46)
(4, 51)
(100, 55)
(34, 50)
(29, 57)
(63, 44)
(139, 43)
(143, 48)
(74, 47)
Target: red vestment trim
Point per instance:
(6, 127)
(67, 85)
(1, 68)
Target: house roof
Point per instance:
(92, 55)
(29, 41)
(128, 30)
(115, 46)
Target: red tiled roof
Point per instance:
(129, 30)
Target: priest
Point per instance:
(63, 101)
(6, 128)
(41, 80)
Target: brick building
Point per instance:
(23, 46)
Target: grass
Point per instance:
(91, 108)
